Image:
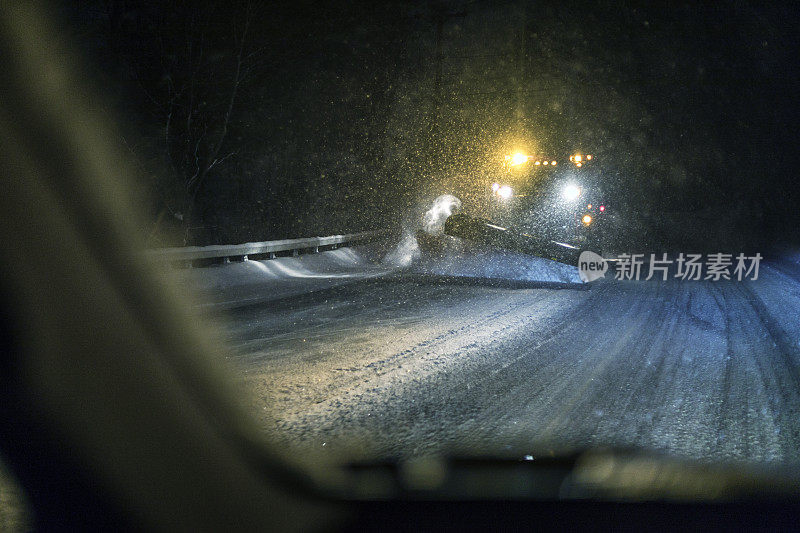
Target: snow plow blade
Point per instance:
(482, 231)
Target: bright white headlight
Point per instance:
(571, 192)
(505, 192)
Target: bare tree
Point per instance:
(195, 150)
(191, 80)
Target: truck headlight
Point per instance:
(571, 192)
(505, 192)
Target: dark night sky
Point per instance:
(692, 108)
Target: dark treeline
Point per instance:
(252, 120)
(266, 120)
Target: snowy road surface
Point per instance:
(402, 364)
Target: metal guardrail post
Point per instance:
(185, 256)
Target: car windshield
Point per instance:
(462, 227)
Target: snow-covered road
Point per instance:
(399, 364)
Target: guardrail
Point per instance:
(199, 255)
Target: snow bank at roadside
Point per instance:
(248, 282)
(498, 265)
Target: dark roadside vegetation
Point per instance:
(255, 121)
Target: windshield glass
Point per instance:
(475, 228)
